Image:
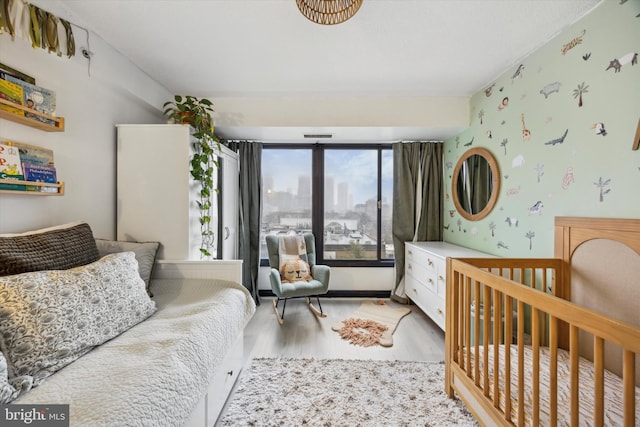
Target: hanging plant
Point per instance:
(197, 113)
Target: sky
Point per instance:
(356, 167)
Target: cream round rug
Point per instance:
(336, 392)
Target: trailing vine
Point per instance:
(197, 113)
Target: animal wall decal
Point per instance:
(617, 63)
(568, 178)
(573, 43)
(481, 115)
(526, 133)
(579, 91)
(517, 161)
(586, 56)
(518, 73)
(536, 209)
(558, 140)
(514, 191)
(502, 245)
(602, 184)
(468, 144)
(539, 171)
(504, 104)
(550, 88)
(512, 221)
(488, 90)
(599, 128)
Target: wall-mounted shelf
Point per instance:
(58, 186)
(57, 126)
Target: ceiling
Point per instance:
(267, 48)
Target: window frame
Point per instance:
(317, 198)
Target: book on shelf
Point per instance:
(31, 154)
(10, 167)
(40, 173)
(6, 70)
(13, 93)
(36, 98)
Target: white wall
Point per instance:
(115, 92)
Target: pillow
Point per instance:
(7, 392)
(145, 255)
(48, 319)
(56, 248)
(295, 270)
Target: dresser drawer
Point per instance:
(429, 302)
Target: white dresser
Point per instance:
(426, 274)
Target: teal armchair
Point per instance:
(317, 286)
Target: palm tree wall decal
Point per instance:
(602, 184)
(577, 93)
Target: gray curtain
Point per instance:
(250, 154)
(417, 200)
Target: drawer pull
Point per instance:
(430, 280)
(408, 266)
(440, 311)
(409, 252)
(429, 261)
(441, 278)
(230, 373)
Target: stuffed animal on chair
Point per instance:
(295, 270)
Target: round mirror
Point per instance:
(475, 184)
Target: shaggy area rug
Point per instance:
(371, 324)
(336, 392)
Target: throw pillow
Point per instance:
(56, 248)
(145, 255)
(48, 319)
(7, 392)
(295, 270)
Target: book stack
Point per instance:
(27, 163)
(10, 167)
(21, 89)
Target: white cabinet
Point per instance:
(426, 275)
(156, 196)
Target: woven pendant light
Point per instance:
(328, 12)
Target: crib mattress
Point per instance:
(612, 394)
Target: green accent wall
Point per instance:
(592, 171)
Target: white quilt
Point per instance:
(155, 373)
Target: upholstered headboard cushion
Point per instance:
(56, 248)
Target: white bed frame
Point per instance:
(211, 404)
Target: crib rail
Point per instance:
(496, 307)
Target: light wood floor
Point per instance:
(304, 335)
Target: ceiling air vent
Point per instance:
(318, 135)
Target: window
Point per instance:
(341, 193)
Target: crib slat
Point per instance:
(535, 379)
(476, 333)
(575, 375)
(520, 363)
(553, 371)
(598, 362)
(497, 309)
(508, 304)
(486, 297)
(628, 379)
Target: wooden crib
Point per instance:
(552, 341)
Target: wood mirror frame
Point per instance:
(495, 189)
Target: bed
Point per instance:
(551, 341)
(174, 348)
